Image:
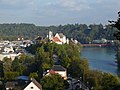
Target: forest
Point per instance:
(81, 32)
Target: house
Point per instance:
(58, 69)
(8, 49)
(33, 85)
(9, 55)
(10, 85)
(26, 84)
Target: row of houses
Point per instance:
(12, 49)
(26, 83)
(23, 84)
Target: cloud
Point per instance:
(17, 4)
(58, 11)
(13, 2)
(76, 5)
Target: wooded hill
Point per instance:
(82, 32)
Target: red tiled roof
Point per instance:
(56, 39)
(52, 72)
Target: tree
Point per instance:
(1, 69)
(24, 64)
(11, 75)
(116, 24)
(33, 75)
(52, 82)
(104, 81)
(85, 67)
(43, 60)
(7, 62)
(110, 82)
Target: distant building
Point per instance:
(8, 49)
(10, 85)
(58, 38)
(9, 55)
(58, 69)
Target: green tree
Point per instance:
(104, 81)
(1, 69)
(24, 64)
(116, 24)
(7, 62)
(53, 82)
(85, 67)
(110, 82)
(34, 75)
(11, 75)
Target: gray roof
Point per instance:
(58, 68)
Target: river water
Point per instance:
(102, 59)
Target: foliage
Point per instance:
(7, 64)
(11, 75)
(68, 55)
(33, 75)
(104, 81)
(23, 64)
(81, 32)
(109, 82)
(53, 82)
(116, 24)
(1, 69)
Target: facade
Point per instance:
(33, 85)
(10, 85)
(8, 49)
(58, 38)
(58, 69)
(9, 55)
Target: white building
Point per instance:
(33, 85)
(60, 39)
(58, 69)
(9, 55)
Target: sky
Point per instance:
(56, 12)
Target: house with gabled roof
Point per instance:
(58, 69)
(33, 85)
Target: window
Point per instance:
(31, 87)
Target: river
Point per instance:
(102, 59)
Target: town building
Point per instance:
(58, 38)
(58, 69)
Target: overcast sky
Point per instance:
(55, 12)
